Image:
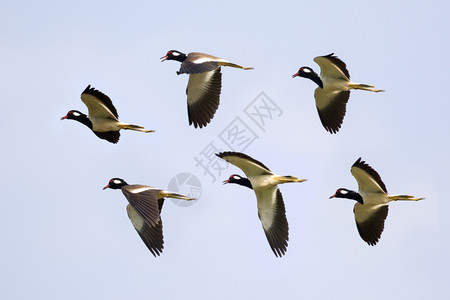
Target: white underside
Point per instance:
(263, 181)
(104, 125)
(333, 84)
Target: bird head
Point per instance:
(174, 55)
(348, 194)
(115, 183)
(73, 115)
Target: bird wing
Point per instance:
(250, 166)
(152, 236)
(110, 136)
(331, 106)
(272, 213)
(331, 66)
(144, 199)
(98, 104)
(197, 62)
(370, 221)
(203, 96)
(369, 181)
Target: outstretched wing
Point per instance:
(98, 104)
(369, 181)
(203, 96)
(272, 213)
(331, 106)
(370, 221)
(152, 236)
(144, 199)
(332, 66)
(250, 166)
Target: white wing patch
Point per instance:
(201, 60)
(142, 189)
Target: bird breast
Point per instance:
(262, 181)
(335, 84)
(104, 125)
(374, 198)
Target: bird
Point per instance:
(333, 89)
(204, 85)
(372, 198)
(103, 119)
(271, 209)
(144, 210)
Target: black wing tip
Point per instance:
(156, 251)
(279, 252)
(358, 162)
(332, 130)
(243, 156)
(94, 92)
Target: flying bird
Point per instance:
(205, 83)
(271, 209)
(144, 211)
(333, 89)
(372, 198)
(103, 119)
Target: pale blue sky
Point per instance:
(63, 237)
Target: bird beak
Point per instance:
(107, 186)
(332, 196)
(163, 58)
(63, 118)
(226, 181)
(295, 75)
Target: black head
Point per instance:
(174, 55)
(307, 72)
(74, 115)
(115, 184)
(78, 116)
(348, 194)
(238, 180)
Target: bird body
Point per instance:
(103, 118)
(271, 209)
(371, 208)
(204, 85)
(333, 89)
(144, 210)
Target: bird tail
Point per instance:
(134, 127)
(285, 179)
(176, 196)
(403, 197)
(228, 64)
(365, 87)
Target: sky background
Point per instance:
(63, 237)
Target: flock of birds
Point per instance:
(203, 97)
